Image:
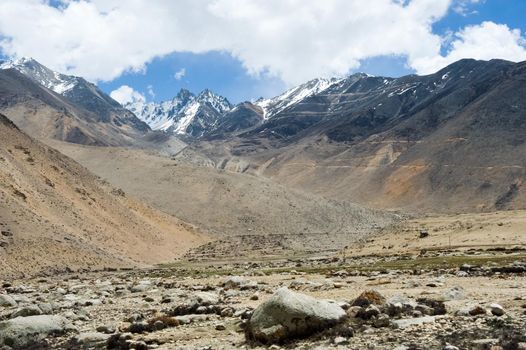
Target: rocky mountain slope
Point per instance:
(47, 104)
(448, 141)
(55, 215)
(79, 91)
(229, 204)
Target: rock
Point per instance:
(139, 327)
(382, 321)
(29, 310)
(159, 325)
(227, 312)
(89, 340)
(425, 310)
(220, 327)
(398, 305)
(496, 309)
(206, 298)
(142, 286)
(187, 319)
(369, 297)
(238, 282)
(6, 300)
(287, 314)
(340, 341)
(368, 313)
(106, 329)
(22, 332)
(438, 306)
(477, 310)
(254, 296)
(450, 347)
(338, 285)
(404, 323)
(455, 293)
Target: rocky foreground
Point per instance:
(305, 304)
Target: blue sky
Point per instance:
(255, 48)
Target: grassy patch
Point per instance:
(385, 263)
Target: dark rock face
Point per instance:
(244, 116)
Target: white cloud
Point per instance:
(290, 39)
(485, 41)
(180, 74)
(150, 91)
(464, 7)
(126, 94)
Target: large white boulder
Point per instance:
(287, 314)
(22, 332)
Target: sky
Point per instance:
(246, 49)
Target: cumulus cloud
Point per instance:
(485, 41)
(290, 39)
(126, 94)
(180, 74)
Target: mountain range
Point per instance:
(409, 142)
(327, 161)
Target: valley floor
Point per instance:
(204, 303)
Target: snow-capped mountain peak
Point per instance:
(60, 83)
(186, 113)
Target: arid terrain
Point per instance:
(358, 216)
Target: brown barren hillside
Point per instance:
(54, 215)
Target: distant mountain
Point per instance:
(449, 141)
(185, 114)
(210, 115)
(80, 92)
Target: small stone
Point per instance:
(106, 329)
(158, 325)
(6, 300)
(227, 312)
(496, 309)
(220, 327)
(368, 313)
(254, 296)
(30, 310)
(141, 287)
(382, 321)
(139, 327)
(477, 310)
(89, 340)
(340, 341)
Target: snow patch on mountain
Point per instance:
(295, 95)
